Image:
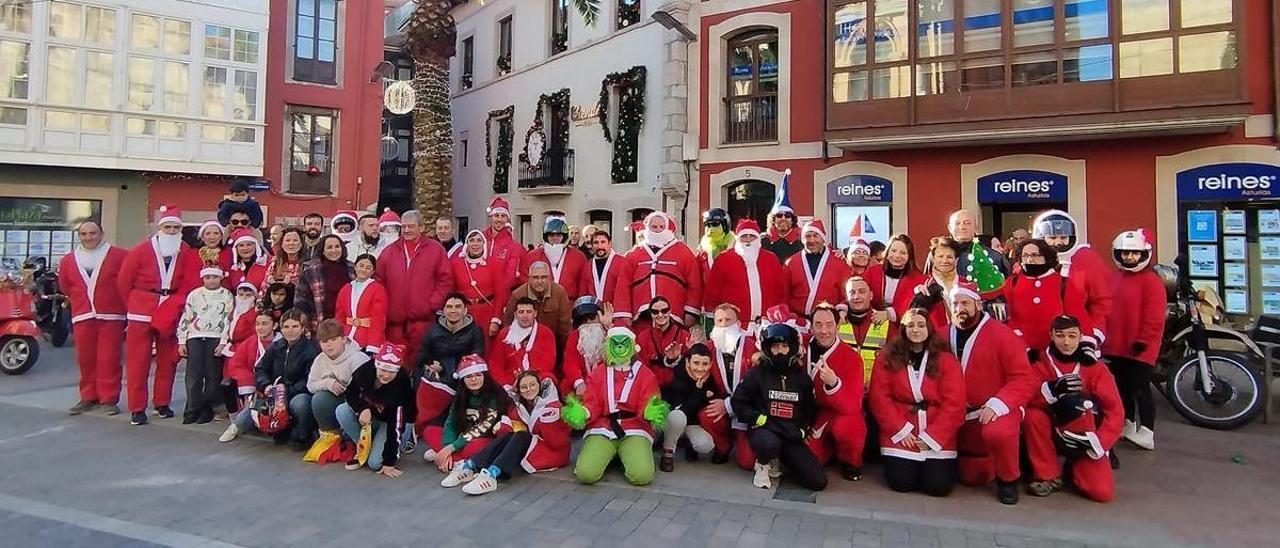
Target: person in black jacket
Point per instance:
(690, 390)
(287, 361)
(379, 396)
(451, 337)
(775, 400)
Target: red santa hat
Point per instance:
(636, 226)
(209, 223)
(815, 226)
(747, 226)
(388, 218)
(860, 244)
(211, 271)
(389, 357)
(498, 205)
(470, 365)
(168, 214)
(246, 284)
(964, 289)
(345, 214)
(242, 235)
(671, 223)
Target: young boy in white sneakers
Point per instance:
(203, 332)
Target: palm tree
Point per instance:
(431, 39)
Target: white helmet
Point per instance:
(1132, 240)
(1055, 222)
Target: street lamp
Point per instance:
(669, 22)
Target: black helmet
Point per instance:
(780, 332)
(716, 216)
(585, 309)
(554, 225)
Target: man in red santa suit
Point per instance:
(155, 278)
(523, 345)
(502, 245)
(1081, 265)
(663, 265)
(417, 277)
(747, 276)
(567, 263)
(839, 429)
(998, 383)
(483, 281)
(584, 349)
(89, 280)
(663, 343)
(817, 274)
(605, 277)
(732, 349)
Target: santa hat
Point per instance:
(242, 235)
(781, 198)
(343, 215)
(747, 226)
(859, 244)
(781, 313)
(964, 289)
(168, 214)
(671, 223)
(389, 357)
(388, 218)
(636, 226)
(246, 284)
(211, 271)
(815, 226)
(209, 223)
(498, 205)
(470, 365)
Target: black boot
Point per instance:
(850, 472)
(1007, 492)
(667, 463)
(719, 458)
(1115, 460)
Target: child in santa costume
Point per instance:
(1038, 293)
(567, 263)
(247, 262)
(361, 306)
(747, 276)
(523, 345)
(1136, 328)
(839, 428)
(379, 396)
(817, 274)
(620, 411)
(483, 281)
(893, 282)
(204, 331)
(917, 397)
(1080, 264)
(690, 393)
(90, 281)
(243, 311)
(663, 342)
(155, 278)
(663, 265)
(477, 414)
(584, 348)
(1076, 415)
(499, 242)
(237, 377)
(606, 277)
(538, 440)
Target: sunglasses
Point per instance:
(239, 222)
(660, 310)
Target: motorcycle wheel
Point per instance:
(61, 328)
(18, 354)
(1237, 398)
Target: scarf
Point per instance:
(454, 327)
(516, 334)
(895, 273)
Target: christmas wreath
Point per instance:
(630, 85)
(559, 103)
(501, 170)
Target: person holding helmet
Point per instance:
(1080, 264)
(584, 349)
(1136, 326)
(566, 262)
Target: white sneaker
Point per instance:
(1144, 438)
(429, 455)
(230, 433)
(1129, 429)
(775, 469)
(458, 476)
(483, 483)
(762, 476)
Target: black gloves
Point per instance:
(1067, 384)
(1139, 347)
(1069, 407)
(1032, 355)
(1071, 444)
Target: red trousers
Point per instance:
(410, 335)
(989, 451)
(98, 347)
(725, 438)
(433, 437)
(1091, 476)
(137, 356)
(842, 436)
(432, 402)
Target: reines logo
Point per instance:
(1020, 186)
(858, 189)
(861, 190)
(1235, 182)
(1244, 180)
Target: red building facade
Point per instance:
(898, 112)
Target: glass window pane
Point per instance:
(172, 130)
(95, 123)
(242, 135)
(1034, 69)
(1197, 13)
(982, 74)
(306, 48)
(246, 97)
(100, 25)
(1201, 52)
(141, 83)
(892, 82)
(246, 46)
(1137, 16)
(769, 67)
(13, 116)
(328, 9)
(176, 85)
(60, 78)
(214, 98)
(306, 7)
(177, 36)
(849, 86)
(1086, 19)
(1032, 22)
(306, 26)
(14, 73)
(57, 119)
(935, 28)
(213, 133)
(891, 32)
(144, 32)
(140, 126)
(982, 20)
(936, 78)
(65, 20)
(1087, 64)
(324, 127)
(328, 30)
(217, 42)
(741, 71)
(324, 51)
(98, 68)
(1146, 58)
(16, 17)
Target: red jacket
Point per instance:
(416, 285)
(256, 274)
(551, 436)
(903, 290)
(623, 390)
(895, 405)
(501, 246)
(538, 351)
(486, 286)
(728, 374)
(729, 282)
(143, 282)
(1092, 277)
(95, 297)
(240, 365)
(806, 290)
(611, 286)
(1099, 386)
(569, 272)
(653, 344)
(363, 316)
(241, 327)
(671, 271)
(845, 398)
(996, 371)
(575, 369)
(1034, 303)
(1138, 315)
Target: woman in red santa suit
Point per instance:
(1136, 329)
(213, 250)
(155, 278)
(747, 276)
(525, 344)
(361, 306)
(917, 397)
(663, 265)
(568, 265)
(90, 277)
(484, 281)
(933, 294)
(247, 262)
(499, 242)
(839, 428)
(893, 282)
(817, 274)
(1038, 293)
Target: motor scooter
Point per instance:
(53, 313)
(19, 335)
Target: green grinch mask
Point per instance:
(619, 349)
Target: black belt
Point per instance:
(161, 292)
(677, 279)
(920, 406)
(616, 426)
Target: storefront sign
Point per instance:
(1235, 181)
(1021, 186)
(42, 227)
(859, 189)
(584, 115)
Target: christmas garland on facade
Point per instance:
(559, 102)
(505, 131)
(630, 85)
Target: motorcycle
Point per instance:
(19, 348)
(53, 314)
(1211, 374)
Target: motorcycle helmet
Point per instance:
(1055, 222)
(776, 333)
(716, 217)
(1132, 240)
(555, 225)
(585, 309)
(1169, 277)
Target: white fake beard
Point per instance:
(517, 335)
(658, 239)
(748, 251)
(726, 338)
(554, 252)
(243, 304)
(346, 236)
(168, 244)
(591, 342)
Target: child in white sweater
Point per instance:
(203, 332)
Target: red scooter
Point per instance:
(19, 334)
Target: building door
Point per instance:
(750, 199)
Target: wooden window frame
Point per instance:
(314, 70)
(752, 38)
(302, 182)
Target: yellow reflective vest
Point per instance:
(874, 340)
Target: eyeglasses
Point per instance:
(660, 311)
(781, 215)
(239, 222)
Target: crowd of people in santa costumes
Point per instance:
(772, 348)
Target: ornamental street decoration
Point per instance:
(399, 97)
(630, 87)
(505, 137)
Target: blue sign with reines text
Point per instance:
(859, 189)
(1022, 186)
(1231, 181)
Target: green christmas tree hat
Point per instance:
(983, 272)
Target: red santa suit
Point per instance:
(361, 310)
(568, 270)
(1082, 266)
(237, 272)
(653, 343)
(243, 316)
(577, 366)
(239, 367)
(90, 282)
(810, 286)
(623, 390)
(156, 292)
(550, 446)
(891, 294)
(1092, 474)
(502, 246)
(1137, 317)
(997, 375)
(839, 428)
(513, 353)
(1035, 301)
(607, 280)
(669, 270)
(747, 277)
(417, 277)
(913, 402)
(484, 282)
(728, 371)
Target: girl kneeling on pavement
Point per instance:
(330, 374)
(379, 396)
(538, 441)
(287, 361)
(477, 414)
(690, 394)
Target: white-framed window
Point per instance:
(15, 76)
(217, 42)
(60, 75)
(99, 69)
(15, 17)
(244, 47)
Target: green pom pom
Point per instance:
(656, 412)
(573, 412)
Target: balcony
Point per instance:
(751, 119)
(553, 177)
